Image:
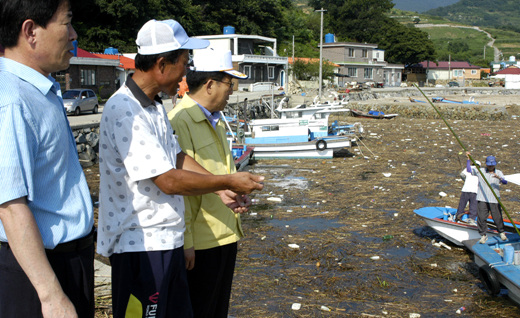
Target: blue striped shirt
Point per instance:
(38, 156)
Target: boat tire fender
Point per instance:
(490, 279)
(321, 145)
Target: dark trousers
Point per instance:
(75, 272)
(466, 197)
(211, 279)
(150, 284)
(496, 213)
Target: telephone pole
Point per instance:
(321, 52)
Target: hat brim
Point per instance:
(491, 163)
(236, 74)
(194, 44)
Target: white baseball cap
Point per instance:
(215, 60)
(157, 37)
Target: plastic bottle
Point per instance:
(461, 309)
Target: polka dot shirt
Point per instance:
(136, 144)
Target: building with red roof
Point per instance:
(87, 70)
(511, 76)
(459, 71)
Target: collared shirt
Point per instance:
(136, 144)
(38, 156)
(209, 222)
(212, 117)
(484, 193)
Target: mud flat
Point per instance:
(359, 250)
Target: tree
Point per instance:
(310, 69)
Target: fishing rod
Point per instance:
(470, 158)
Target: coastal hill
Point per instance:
(500, 14)
(421, 5)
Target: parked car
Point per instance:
(80, 100)
(453, 84)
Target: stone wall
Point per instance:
(375, 93)
(87, 143)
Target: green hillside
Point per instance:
(464, 43)
(498, 14)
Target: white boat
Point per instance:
(317, 115)
(442, 220)
(300, 132)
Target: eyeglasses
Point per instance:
(231, 84)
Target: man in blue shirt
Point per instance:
(46, 215)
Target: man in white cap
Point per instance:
(143, 177)
(212, 229)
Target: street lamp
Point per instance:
(321, 51)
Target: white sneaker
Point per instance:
(483, 239)
(503, 236)
(471, 222)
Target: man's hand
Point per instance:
(245, 182)
(189, 256)
(237, 203)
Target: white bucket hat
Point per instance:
(157, 37)
(215, 60)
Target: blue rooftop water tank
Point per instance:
(229, 30)
(75, 49)
(329, 38)
(111, 50)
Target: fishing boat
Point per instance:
(451, 101)
(499, 264)
(442, 220)
(372, 114)
(292, 139)
(300, 132)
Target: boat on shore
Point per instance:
(499, 264)
(372, 114)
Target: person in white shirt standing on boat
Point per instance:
(486, 201)
(468, 194)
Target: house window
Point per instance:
(247, 70)
(473, 72)
(368, 73)
(88, 77)
(457, 73)
(352, 72)
(351, 52)
(270, 72)
(364, 53)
